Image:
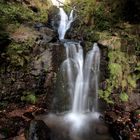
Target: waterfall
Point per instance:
(75, 102)
(82, 73)
(65, 20)
(65, 23)
(87, 72)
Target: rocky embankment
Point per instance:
(30, 57)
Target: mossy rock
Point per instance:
(107, 39)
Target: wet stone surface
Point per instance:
(38, 130)
(62, 128)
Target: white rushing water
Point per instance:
(65, 20)
(82, 73)
(65, 23)
(82, 76)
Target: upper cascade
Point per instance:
(65, 23)
(65, 20)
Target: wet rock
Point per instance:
(11, 126)
(108, 39)
(38, 130)
(134, 101)
(28, 115)
(102, 129)
(104, 137)
(43, 61)
(136, 116)
(23, 34)
(2, 136)
(45, 34)
(38, 75)
(38, 25)
(43, 39)
(20, 137)
(132, 104)
(54, 18)
(45, 57)
(47, 31)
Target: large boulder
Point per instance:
(38, 130)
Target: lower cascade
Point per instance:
(81, 75)
(82, 121)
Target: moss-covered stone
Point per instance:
(120, 75)
(107, 39)
(17, 39)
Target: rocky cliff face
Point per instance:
(29, 63)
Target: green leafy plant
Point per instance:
(105, 95)
(124, 97)
(131, 81)
(115, 70)
(18, 13)
(30, 97)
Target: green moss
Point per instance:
(124, 97)
(106, 95)
(115, 70)
(138, 66)
(18, 54)
(102, 17)
(121, 79)
(131, 81)
(19, 13)
(29, 97)
(124, 83)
